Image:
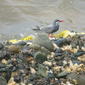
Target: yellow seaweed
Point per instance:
(62, 34)
(14, 41)
(27, 38)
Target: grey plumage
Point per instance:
(49, 29)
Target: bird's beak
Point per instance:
(61, 20)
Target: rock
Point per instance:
(47, 63)
(82, 58)
(42, 70)
(75, 68)
(77, 42)
(12, 82)
(2, 65)
(59, 50)
(2, 81)
(62, 74)
(17, 79)
(35, 46)
(4, 55)
(34, 77)
(61, 42)
(8, 75)
(43, 40)
(56, 69)
(79, 78)
(51, 75)
(14, 49)
(4, 61)
(33, 71)
(44, 50)
(42, 81)
(40, 57)
(1, 46)
(79, 53)
(21, 43)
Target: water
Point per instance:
(20, 16)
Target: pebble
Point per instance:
(1, 46)
(79, 78)
(42, 70)
(56, 69)
(40, 57)
(43, 40)
(3, 81)
(14, 49)
(43, 62)
(62, 41)
(4, 61)
(82, 58)
(47, 63)
(62, 74)
(21, 43)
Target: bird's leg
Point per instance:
(50, 36)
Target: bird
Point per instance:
(50, 28)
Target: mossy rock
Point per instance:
(40, 57)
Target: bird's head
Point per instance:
(56, 22)
(59, 20)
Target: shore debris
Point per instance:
(39, 60)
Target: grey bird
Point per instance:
(50, 28)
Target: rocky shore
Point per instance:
(43, 61)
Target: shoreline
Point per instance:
(44, 61)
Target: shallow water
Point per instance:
(20, 16)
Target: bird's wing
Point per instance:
(48, 29)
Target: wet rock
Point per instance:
(75, 68)
(43, 40)
(42, 70)
(58, 58)
(51, 74)
(48, 63)
(1, 46)
(82, 58)
(2, 65)
(62, 74)
(40, 57)
(5, 68)
(79, 78)
(76, 41)
(4, 61)
(56, 69)
(59, 52)
(2, 81)
(79, 53)
(4, 55)
(62, 41)
(34, 77)
(8, 75)
(17, 79)
(26, 49)
(42, 63)
(12, 82)
(42, 81)
(21, 43)
(33, 71)
(35, 46)
(14, 49)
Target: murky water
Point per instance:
(20, 16)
